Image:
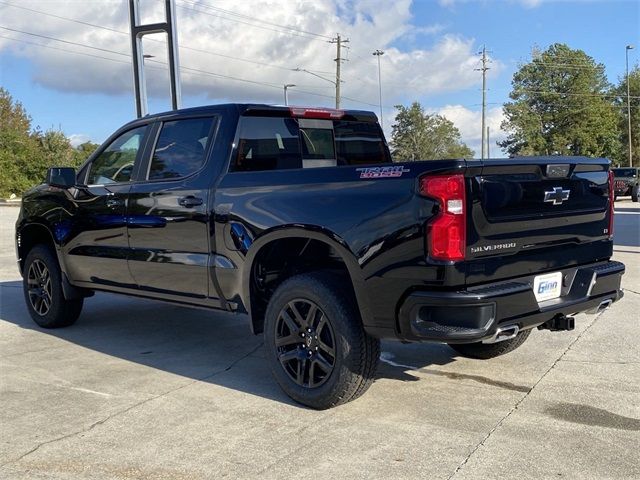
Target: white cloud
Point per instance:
(446, 65)
(77, 139)
(469, 122)
(525, 3)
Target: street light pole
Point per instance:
(286, 97)
(379, 53)
(626, 51)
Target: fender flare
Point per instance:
(313, 233)
(69, 291)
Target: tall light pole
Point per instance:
(379, 53)
(286, 97)
(626, 52)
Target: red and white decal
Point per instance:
(382, 172)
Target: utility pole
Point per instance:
(488, 144)
(379, 53)
(629, 47)
(484, 98)
(338, 41)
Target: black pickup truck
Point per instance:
(299, 218)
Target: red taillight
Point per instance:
(325, 113)
(612, 199)
(447, 232)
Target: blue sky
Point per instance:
(430, 51)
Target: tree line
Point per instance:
(26, 152)
(561, 103)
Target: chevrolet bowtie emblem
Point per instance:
(556, 196)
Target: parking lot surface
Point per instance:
(137, 389)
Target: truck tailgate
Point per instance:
(536, 214)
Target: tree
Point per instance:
(560, 107)
(16, 145)
(417, 135)
(619, 93)
(26, 153)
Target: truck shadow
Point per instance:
(207, 346)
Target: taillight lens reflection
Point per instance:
(446, 233)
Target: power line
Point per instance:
(604, 95)
(185, 47)
(196, 8)
(69, 42)
(259, 20)
(190, 70)
(126, 62)
(63, 18)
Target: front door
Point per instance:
(168, 220)
(97, 249)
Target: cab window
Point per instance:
(115, 163)
(180, 149)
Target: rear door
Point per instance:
(167, 217)
(536, 214)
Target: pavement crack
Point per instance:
(629, 290)
(128, 409)
(519, 402)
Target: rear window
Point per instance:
(624, 172)
(273, 143)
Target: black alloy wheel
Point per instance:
(305, 342)
(39, 284)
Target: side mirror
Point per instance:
(63, 177)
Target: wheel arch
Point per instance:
(304, 234)
(31, 234)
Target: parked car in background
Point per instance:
(626, 182)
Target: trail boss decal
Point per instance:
(382, 172)
(493, 248)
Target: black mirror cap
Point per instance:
(63, 177)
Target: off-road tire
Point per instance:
(485, 351)
(356, 353)
(60, 312)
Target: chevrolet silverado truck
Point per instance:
(299, 218)
(626, 181)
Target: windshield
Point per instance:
(624, 172)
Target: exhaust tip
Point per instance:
(602, 307)
(503, 333)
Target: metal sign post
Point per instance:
(137, 32)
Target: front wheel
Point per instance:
(42, 285)
(484, 351)
(316, 346)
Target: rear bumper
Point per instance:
(474, 314)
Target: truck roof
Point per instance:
(268, 110)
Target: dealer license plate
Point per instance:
(548, 286)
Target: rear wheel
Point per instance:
(42, 286)
(635, 193)
(485, 351)
(316, 346)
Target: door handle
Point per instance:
(114, 202)
(190, 201)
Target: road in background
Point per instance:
(138, 389)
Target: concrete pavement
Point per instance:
(142, 390)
